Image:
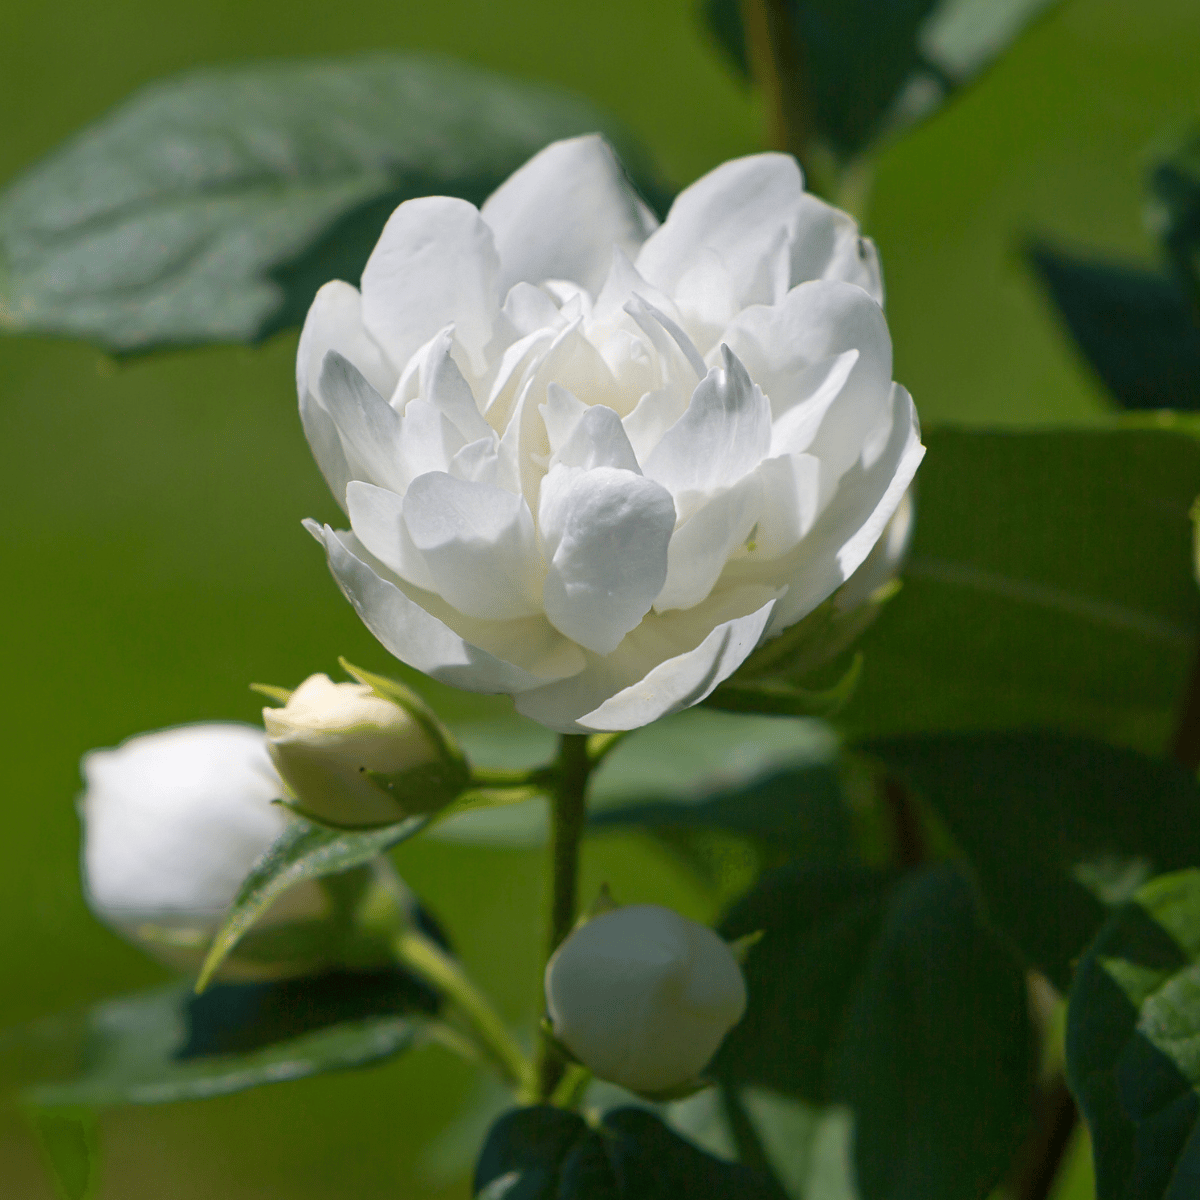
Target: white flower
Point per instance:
(593, 462)
(173, 822)
(643, 997)
(329, 735)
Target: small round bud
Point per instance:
(173, 822)
(336, 743)
(643, 997)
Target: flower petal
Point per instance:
(369, 428)
(562, 213)
(443, 386)
(826, 244)
(377, 518)
(478, 543)
(722, 437)
(606, 534)
(435, 265)
(597, 439)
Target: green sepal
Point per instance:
(279, 695)
(740, 947)
(426, 788)
(303, 851)
(546, 1028)
(780, 698)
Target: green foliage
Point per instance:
(894, 997)
(1050, 583)
(167, 1044)
(1133, 1026)
(1054, 827)
(71, 1148)
(1175, 210)
(544, 1153)
(211, 206)
(871, 67)
(302, 852)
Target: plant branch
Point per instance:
(568, 815)
(426, 959)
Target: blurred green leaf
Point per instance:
(544, 1153)
(1054, 827)
(1133, 1025)
(875, 66)
(1174, 210)
(70, 1143)
(210, 206)
(303, 851)
(167, 1044)
(893, 997)
(784, 699)
(1136, 329)
(1050, 583)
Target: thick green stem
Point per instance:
(568, 814)
(426, 959)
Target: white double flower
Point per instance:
(592, 461)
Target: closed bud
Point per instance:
(643, 997)
(173, 822)
(353, 758)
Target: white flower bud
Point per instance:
(334, 742)
(643, 997)
(173, 822)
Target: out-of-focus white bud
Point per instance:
(173, 822)
(353, 758)
(643, 997)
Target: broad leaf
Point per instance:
(303, 851)
(1136, 329)
(871, 66)
(1175, 210)
(168, 1044)
(70, 1145)
(1133, 1025)
(890, 996)
(210, 206)
(1050, 583)
(1053, 826)
(544, 1153)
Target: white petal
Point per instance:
(368, 426)
(560, 414)
(606, 534)
(826, 244)
(435, 265)
(428, 440)
(701, 546)
(622, 284)
(443, 386)
(334, 322)
(377, 518)
(528, 309)
(478, 462)
(596, 440)
(736, 211)
(417, 637)
(326, 446)
(791, 486)
(723, 435)
(793, 432)
(479, 544)
(561, 214)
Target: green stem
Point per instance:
(426, 959)
(568, 815)
(505, 777)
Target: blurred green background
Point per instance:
(154, 558)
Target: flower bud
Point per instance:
(643, 997)
(353, 758)
(173, 822)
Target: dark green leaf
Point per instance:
(871, 66)
(1175, 210)
(168, 1044)
(1050, 583)
(1051, 824)
(303, 851)
(544, 1153)
(210, 206)
(784, 699)
(1133, 1025)
(70, 1143)
(1135, 328)
(935, 1054)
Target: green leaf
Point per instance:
(71, 1146)
(1133, 1025)
(1135, 328)
(1174, 209)
(210, 206)
(544, 1153)
(784, 699)
(891, 996)
(1050, 584)
(1053, 826)
(870, 67)
(303, 851)
(165, 1045)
